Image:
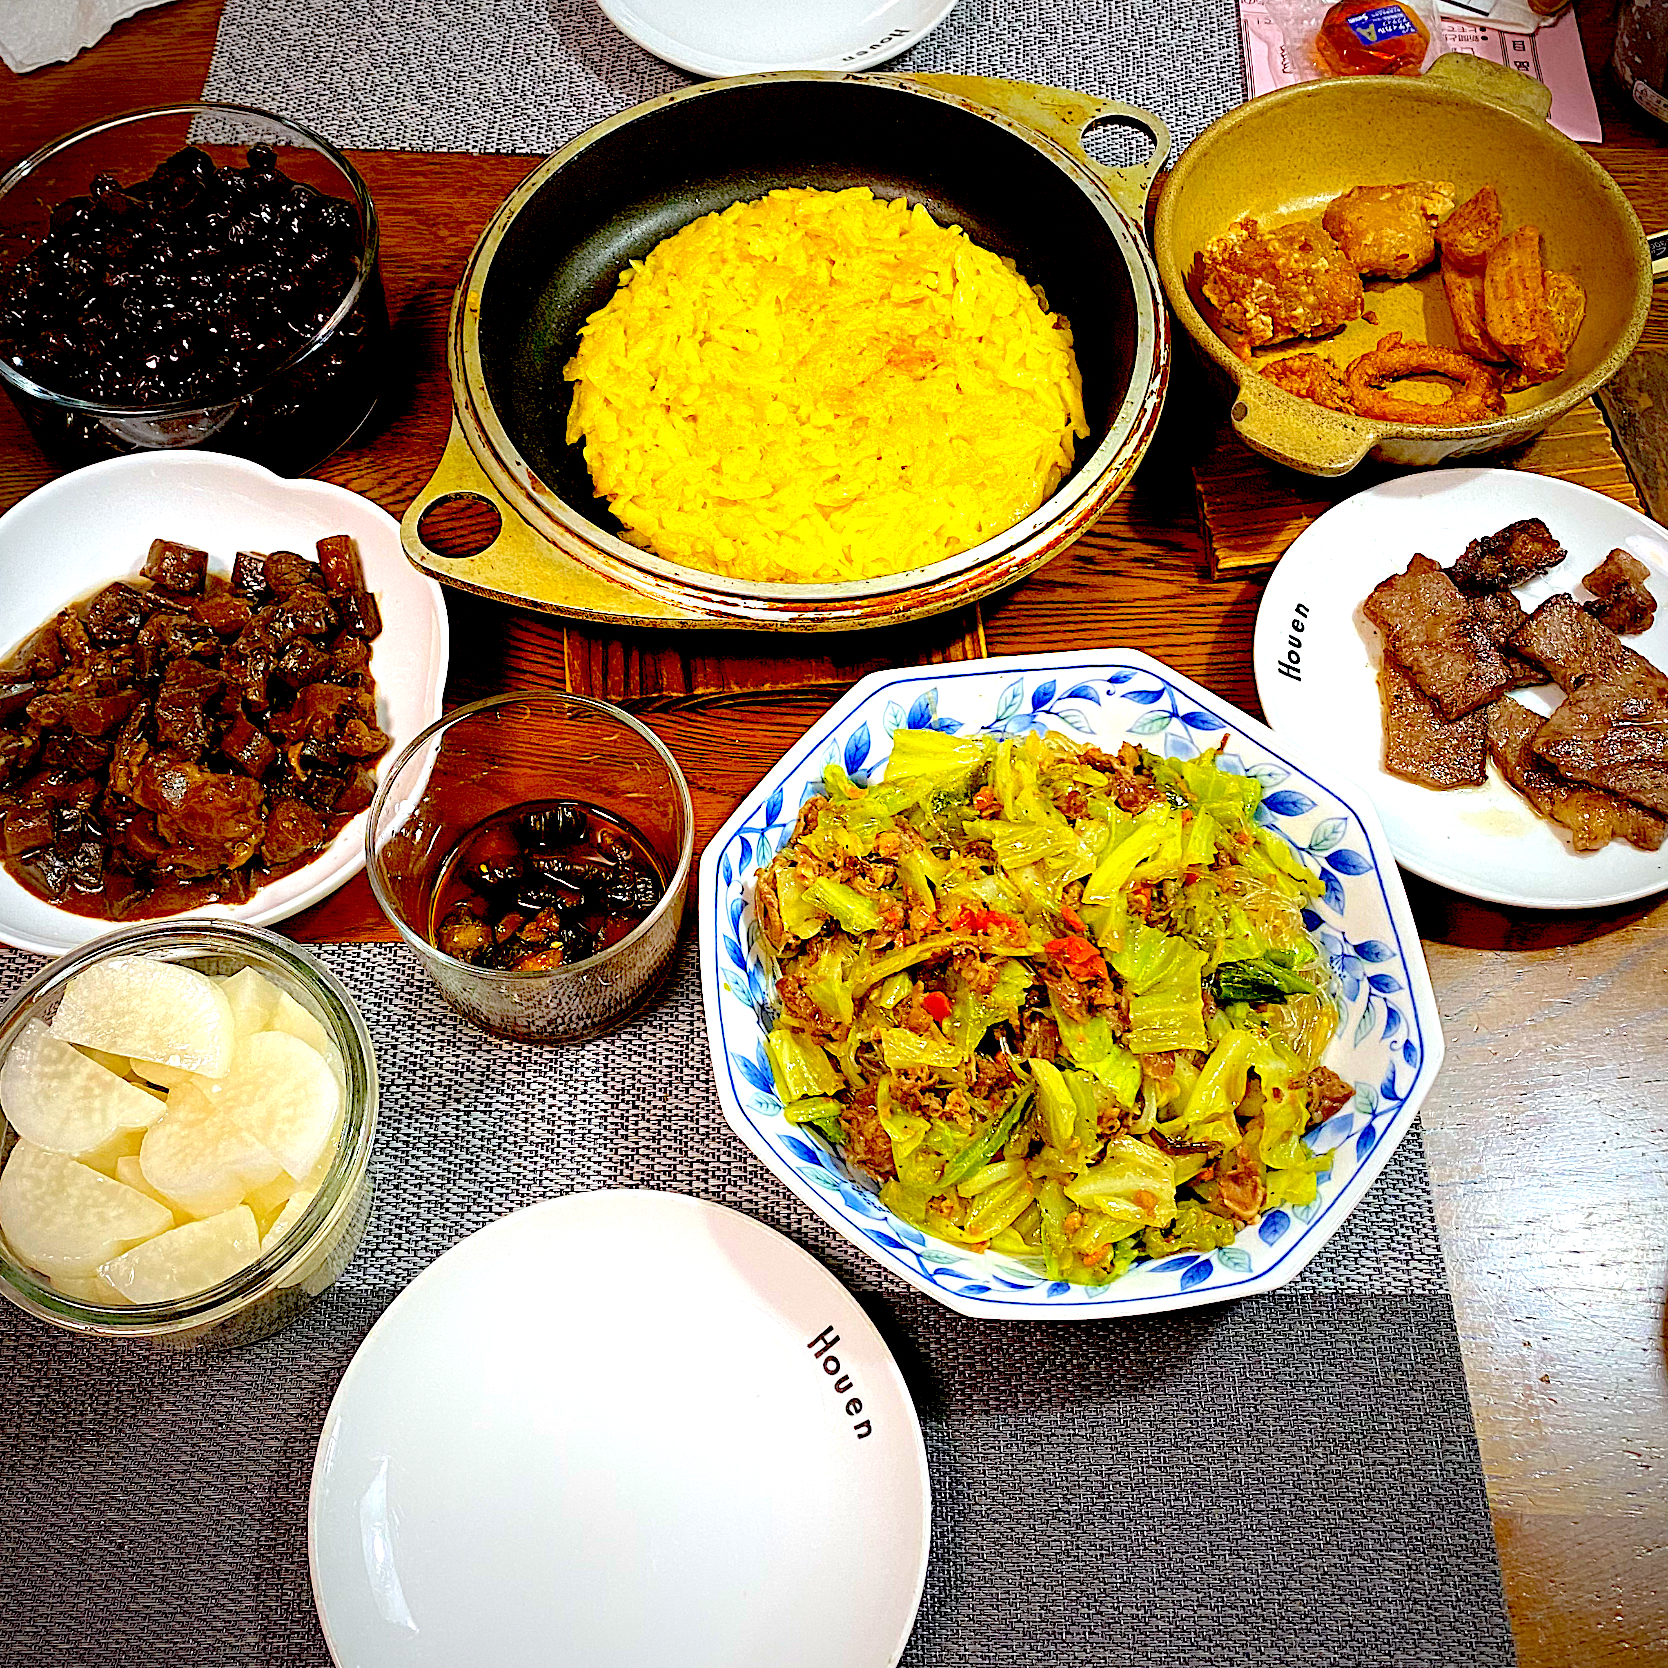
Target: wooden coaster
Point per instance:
(1250, 510)
(657, 668)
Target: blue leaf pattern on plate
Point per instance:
(857, 749)
(1144, 697)
(1273, 1226)
(1348, 862)
(1042, 695)
(1197, 1275)
(1287, 802)
(760, 1080)
(1201, 721)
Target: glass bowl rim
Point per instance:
(365, 265)
(260, 1277)
(676, 885)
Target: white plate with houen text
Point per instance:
(621, 1430)
(1316, 659)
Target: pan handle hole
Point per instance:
(460, 525)
(1117, 142)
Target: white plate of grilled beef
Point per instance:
(1486, 651)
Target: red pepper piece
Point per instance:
(937, 1004)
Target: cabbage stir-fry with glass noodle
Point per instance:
(1059, 1003)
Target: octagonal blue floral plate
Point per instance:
(1389, 1042)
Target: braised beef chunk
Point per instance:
(340, 564)
(176, 567)
(287, 573)
(1419, 745)
(1621, 599)
(224, 612)
(115, 615)
(292, 830)
(249, 576)
(1430, 631)
(359, 614)
(1509, 557)
(1594, 818)
(1611, 729)
(183, 738)
(249, 748)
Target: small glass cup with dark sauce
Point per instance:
(192, 275)
(534, 851)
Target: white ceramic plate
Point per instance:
(1323, 694)
(743, 37)
(602, 1432)
(80, 532)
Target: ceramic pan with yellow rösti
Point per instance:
(1003, 161)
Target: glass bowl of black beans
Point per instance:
(534, 850)
(193, 275)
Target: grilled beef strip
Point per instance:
(1420, 745)
(1593, 817)
(1430, 630)
(1509, 557)
(1611, 730)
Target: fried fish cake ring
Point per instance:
(1475, 399)
(1311, 377)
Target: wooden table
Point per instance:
(1547, 1134)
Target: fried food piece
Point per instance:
(1430, 630)
(1519, 551)
(1279, 284)
(1419, 744)
(1593, 817)
(1620, 598)
(1464, 291)
(1515, 305)
(1566, 301)
(1311, 377)
(1386, 231)
(1468, 234)
(1475, 399)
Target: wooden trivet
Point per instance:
(659, 668)
(1250, 510)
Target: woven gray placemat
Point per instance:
(1291, 1479)
(526, 76)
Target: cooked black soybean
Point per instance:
(563, 823)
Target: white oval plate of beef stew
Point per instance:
(75, 535)
(1316, 658)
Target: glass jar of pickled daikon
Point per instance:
(184, 1153)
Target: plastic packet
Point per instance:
(1358, 37)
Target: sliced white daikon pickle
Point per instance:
(254, 1000)
(150, 1010)
(118, 1063)
(188, 1259)
(62, 1218)
(267, 1201)
(89, 1288)
(130, 1173)
(202, 1158)
(166, 1077)
(126, 1145)
(289, 1016)
(285, 1094)
(287, 1219)
(56, 1097)
(314, 1179)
